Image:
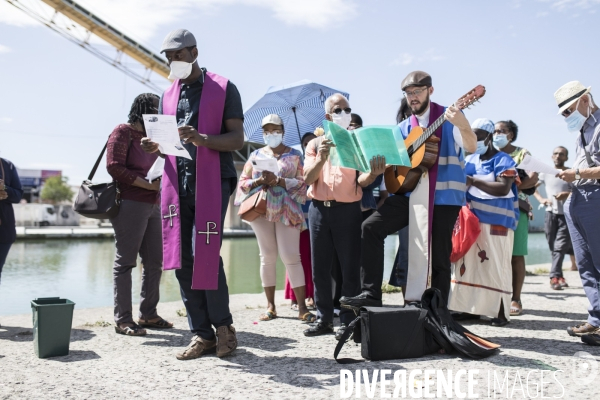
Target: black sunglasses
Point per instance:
(339, 110)
(567, 112)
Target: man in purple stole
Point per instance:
(195, 193)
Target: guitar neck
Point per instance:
(426, 135)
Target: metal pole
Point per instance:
(298, 128)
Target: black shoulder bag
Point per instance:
(100, 200)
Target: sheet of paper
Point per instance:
(266, 164)
(156, 170)
(480, 194)
(162, 129)
(533, 164)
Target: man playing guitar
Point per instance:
(446, 195)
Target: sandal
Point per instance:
(294, 307)
(160, 324)
(134, 330)
(269, 315)
(308, 317)
(516, 310)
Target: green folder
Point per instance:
(354, 149)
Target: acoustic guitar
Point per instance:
(422, 147)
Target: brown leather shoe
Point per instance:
(226, 340)
(582, 329)
(197, 348)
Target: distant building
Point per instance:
(33, 180)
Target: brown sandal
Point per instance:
(134, 330)
(308, 317)
(268, 316)
(160, 324)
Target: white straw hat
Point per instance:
(568, 94)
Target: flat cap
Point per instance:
(177, 40)
(271, 119)
(416, 78)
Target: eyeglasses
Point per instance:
(500, 131)
(275, 132)
(567, 112)
(338, 111)
(415, 92)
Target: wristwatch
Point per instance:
(577, 176)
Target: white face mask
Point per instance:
(180, 69)
(273, 140)
(342, 119)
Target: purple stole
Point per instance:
(208, 229)
(420, 279)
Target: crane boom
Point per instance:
(92, 24)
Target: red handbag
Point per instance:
(254, 206)
(465, 233)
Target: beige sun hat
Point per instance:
(568, 94)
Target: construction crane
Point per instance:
(77, 24)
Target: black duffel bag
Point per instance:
(390, 333)
(100, 200)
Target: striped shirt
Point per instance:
(496, 211)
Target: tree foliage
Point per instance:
(56, 189)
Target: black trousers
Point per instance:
(335, 230)
(390, 218)
(336, 272)
(204, 307)
(4, 248)
(559, 241)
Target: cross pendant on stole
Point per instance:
(209, 231)
(171, 214)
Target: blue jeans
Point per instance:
(4, 248)
(583, 219)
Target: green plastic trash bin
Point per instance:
(52, 319)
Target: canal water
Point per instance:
(81, 270)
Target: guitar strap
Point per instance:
(421, 206)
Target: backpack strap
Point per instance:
(343, 340)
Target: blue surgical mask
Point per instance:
(575, 121)
(500, 140)
(482, 148)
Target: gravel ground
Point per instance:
(275, 360)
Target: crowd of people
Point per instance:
(327, 223)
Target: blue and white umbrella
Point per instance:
(300, 105)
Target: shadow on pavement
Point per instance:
(266, 343)
(176, 338)
(18, 334)
(77, 355)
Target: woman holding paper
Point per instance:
(137, 227)
(278, 169)
(482, 279)
(505, 134)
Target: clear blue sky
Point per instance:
(59, 103)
